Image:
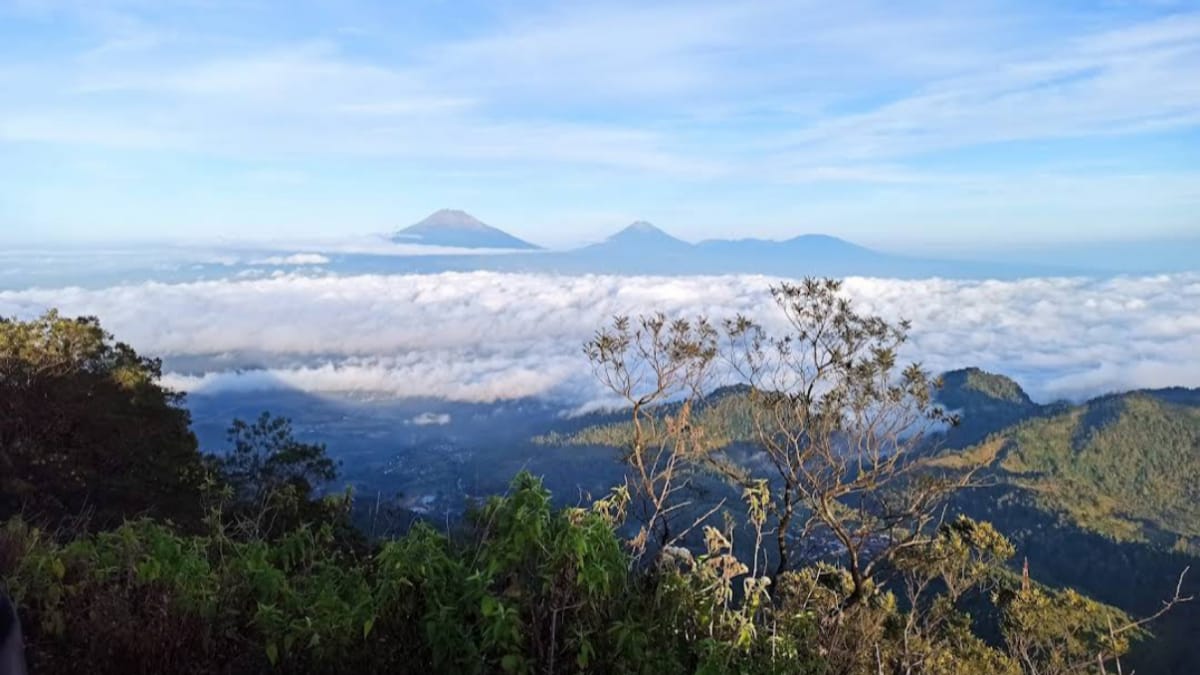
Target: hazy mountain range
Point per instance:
(454, 241)
(642, 248)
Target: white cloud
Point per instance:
(293, 259)
(426, 419)
(484, 336)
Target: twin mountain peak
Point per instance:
(455, 228)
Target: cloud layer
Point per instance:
(485, 336)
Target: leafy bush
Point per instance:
(525, 587)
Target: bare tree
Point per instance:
(842, 425)
(843, 429)
(648, 363)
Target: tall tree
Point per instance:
(272, 477)
(646, 363)
(842, 424)
(87, 428)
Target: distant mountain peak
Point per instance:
(642, 226)
(998, 388)
(814, 237)
(984, 401)
(644, 231)
(452, 219)
(459, 229)
(826, 242)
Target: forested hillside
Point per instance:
(1126, 466)
(1103, 496)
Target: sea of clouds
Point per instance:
(484, 336)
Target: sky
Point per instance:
(957, 125)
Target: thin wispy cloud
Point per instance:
(1088, 86)
(577, 106)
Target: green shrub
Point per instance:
(523, 588)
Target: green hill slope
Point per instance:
(1104, 497)
(984, 402)
(1127, 466)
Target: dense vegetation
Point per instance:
(1124, 465)
(1127, 466)
(986, 402)
(127, 550)
(1112, 481)
(721, 419)
(86, 429)
(525, 587)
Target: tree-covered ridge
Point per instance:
(961, 387)
(1124, 465)
(984, 403)
(86, 428)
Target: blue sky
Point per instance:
(934, 125)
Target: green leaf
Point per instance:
(585, 654)
(510, 663)
(489, 606)
(367, 626)
(272, 653)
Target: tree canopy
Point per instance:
(87, 429)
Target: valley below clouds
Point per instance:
(486, 336)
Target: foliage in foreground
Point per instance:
(86, 427)
(526, 587)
